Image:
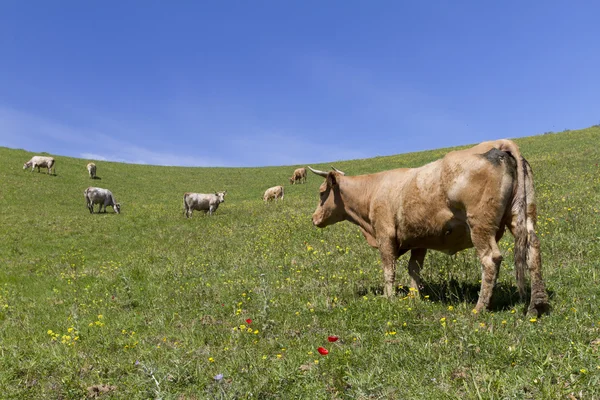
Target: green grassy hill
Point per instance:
(154, 305)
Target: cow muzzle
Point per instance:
(317, 221)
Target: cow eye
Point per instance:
(323, 196)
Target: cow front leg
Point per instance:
(389, 254)
(417, 256)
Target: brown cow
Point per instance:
(463, 200)
(299, 175)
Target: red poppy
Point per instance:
(323, 351)
(332, 338)
(248, 321)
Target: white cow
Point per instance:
(104, 197)
(202, 202)
(40, 161)
(91, 167)
(275, 192)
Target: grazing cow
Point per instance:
(91, 167)
(466, 199)
(40, 161)
(299, 175)
(273, 193)
(104, 197)
(202, 202)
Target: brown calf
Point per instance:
(299, 175)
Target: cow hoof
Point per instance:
(539, 309)
(479, 308)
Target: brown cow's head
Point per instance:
(330, 209)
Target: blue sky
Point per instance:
(256, 83)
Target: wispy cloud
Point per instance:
(273, 148)
(93, 156)
(35, 133)
(257, 146)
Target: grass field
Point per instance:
(149, 304)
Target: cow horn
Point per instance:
(316, 171)
(337, 170)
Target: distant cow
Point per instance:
(299, 175)
(465, 199)
(202, 202)
(104, 197)
(273, 193)
(91, 167)
(40, 161)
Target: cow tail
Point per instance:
(184, 204)
(527, 244)
(519, 208)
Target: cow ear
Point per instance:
(331, 179)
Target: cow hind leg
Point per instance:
(531, 259)
(491, 258)
(538, 304)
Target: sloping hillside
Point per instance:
(156, 305)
